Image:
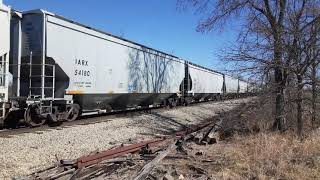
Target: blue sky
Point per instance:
(154, 23)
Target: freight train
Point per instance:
(55, 69)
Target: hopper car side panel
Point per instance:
(243, 86)
(103, 70)
(205, 83)
(232, 85)
(4, 29)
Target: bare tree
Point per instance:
(314, 85)
(315, 54)
(302, 49)
(264, 18)
(295, 50)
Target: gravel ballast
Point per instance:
(25, 153)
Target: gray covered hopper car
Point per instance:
(97, 70)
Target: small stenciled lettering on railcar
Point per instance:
(81, 71)
(81, 62)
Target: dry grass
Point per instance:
(250, 150)
(272, 156)
(262, 154)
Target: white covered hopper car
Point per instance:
(206, 83)
(61, 69)
(96, 69)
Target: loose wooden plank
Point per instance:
(213, 135)
(144, 172)
(56, 176)
(201, 135)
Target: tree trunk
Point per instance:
(299, 106)
(279, 123)
(314, 94)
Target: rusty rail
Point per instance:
(192, 129)
(113, 153)
(92, 159)
(66, 167)
(123, 150)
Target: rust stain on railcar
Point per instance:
(75, 92)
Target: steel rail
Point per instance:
(123, 150)
(113, 153)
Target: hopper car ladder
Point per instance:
(38, 78)
(39, 95)
(41, 86)
(41, 102)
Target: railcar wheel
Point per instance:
(73, 112)
(32, 116)
(173, 103)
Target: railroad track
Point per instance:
(144, 156)
(83, 120)
(88, 119)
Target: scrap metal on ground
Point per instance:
(140, 157)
